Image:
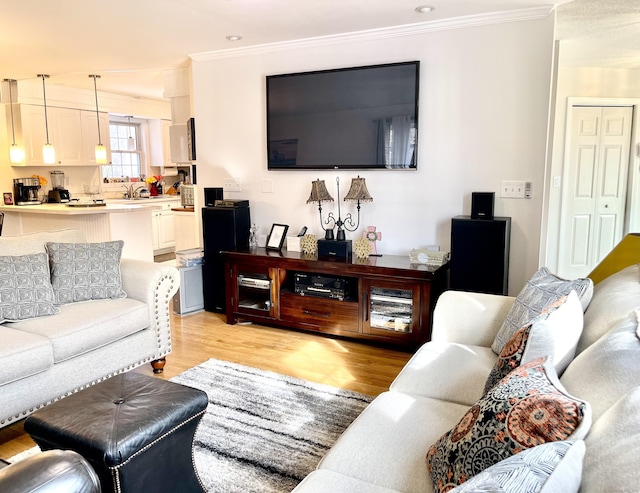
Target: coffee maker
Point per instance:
(25, 191)
(59, 194)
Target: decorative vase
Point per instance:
(153, 190)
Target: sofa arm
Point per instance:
(469, 318)
(62, 471)
(153, 284)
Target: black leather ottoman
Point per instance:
(135, 430)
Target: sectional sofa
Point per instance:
(444, 426)
(75, 314)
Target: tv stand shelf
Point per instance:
(384, 299)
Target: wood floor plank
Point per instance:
(197, 337)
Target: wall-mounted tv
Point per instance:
(353, 118)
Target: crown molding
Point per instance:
(382, 33)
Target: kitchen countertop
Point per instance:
(111, 207)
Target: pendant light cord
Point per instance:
(46, 120)
(95, 90)
(13, 131)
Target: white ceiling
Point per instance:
(132, 43)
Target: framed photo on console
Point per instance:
(276, 237)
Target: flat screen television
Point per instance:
(353, 118)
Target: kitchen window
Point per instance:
(125, 151)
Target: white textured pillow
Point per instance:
(538, 294)
(85, 271)
(548, 468)
(25, 288)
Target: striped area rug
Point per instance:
(264, 432)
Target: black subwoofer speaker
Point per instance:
(223, 229)
(482, 205)
(480, 254)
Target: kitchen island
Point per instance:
(129, 221)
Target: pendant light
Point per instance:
(16, 153)
(101, 151)
(131, 143)
(48, 152)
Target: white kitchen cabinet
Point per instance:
(163, 228)
(159, 143)
(187, 236)
(30, 130)
(67, 136)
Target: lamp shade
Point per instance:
(48, 154)
(319, 192)
(101, 154)
(358, 191)
(16, 154)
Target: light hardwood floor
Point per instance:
(197, 337)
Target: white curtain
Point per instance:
(394, 144)
(401, 148)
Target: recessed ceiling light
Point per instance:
(424, 9)
(233, 37)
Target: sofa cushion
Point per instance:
(25, 287)
(548, 468)
(30, 243)
(387, 443)
(526, 408)
(86, 271)
(612, 301)
(613, 448)
(536, 299)
(324, 481)
(446, 370)
(83, 327)
(557, 337)
(607, 369)
(22, 354)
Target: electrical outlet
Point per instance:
(515, 189)
(232, 185)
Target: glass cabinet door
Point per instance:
(254, 292)
(392, 308)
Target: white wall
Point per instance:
(484, 97)
(597, 83)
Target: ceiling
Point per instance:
(132, 43)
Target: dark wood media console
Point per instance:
(385, 299)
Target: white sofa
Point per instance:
(384, 450)
(49, 357)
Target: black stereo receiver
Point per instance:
(322, 286)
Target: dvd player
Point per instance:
(252, 282)
(321, 286)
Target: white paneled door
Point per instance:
(595, 178)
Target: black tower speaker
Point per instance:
(482, 205)
(223, 229)
(480, 254)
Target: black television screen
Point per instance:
(354, 118)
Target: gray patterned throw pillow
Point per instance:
(540, 292)
(85, 271)
(25, 288)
